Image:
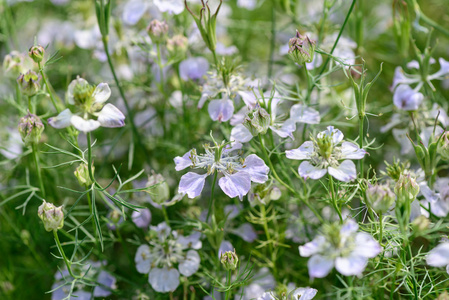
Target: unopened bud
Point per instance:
(229, 260)
(301, 49)
(406, 188)
(159, 189)
(51, 216)
(13, 63)
(380, 198)
(420, 224)
(177, 46)
(29, 83)
(257, 121)
(82, 174)
(31, 128)
(157, 31)
(37, 53)
(443, 148)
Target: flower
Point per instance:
(168, 249)
(89, 100)
(238, 172)
(438, 198)
(439, 256)
(344, 248)
(170, 6)
(407, 99)
(322, 155)
(141, 217)
(51, 216)
(193, 68)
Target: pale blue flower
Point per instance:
(193, 68)
(347, 250)
(141, 217)
(324, 154)
(439, 256)
(405, 98)
(238, 173)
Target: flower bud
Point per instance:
(380, 198)
(263, 193)
(31, 128)
(406, 188)
(159, 189)
(443, 148)
(37, 53)
(51, 216)
(157, 31)
(29, 83)
(229, 260)
(13, 62)
(420, 224)
(177, 47)
(301, 49)
(257, 121)
(82, 174)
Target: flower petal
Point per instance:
(143, 259)
(366, 245)
(191, 264)
(164, 280)
(193, 68)
(303, 152)
(110, 116)
(312, 247)
(352, 151)
(237, 184)
(304, 293)
(345, 172)
(221, 110)
(319, 266)
(84, 125)
(336, 135)
(406, 98)
(303, 114)
(192, 184)
(246, 232)
(141, 217)
(133, 11)
(307, 170)
(240, 134)
(439, 256)
(183, 162)
(351, 265)
(102, 93)
(256, 168)
(62, 120)
(71, 87)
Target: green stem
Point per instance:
(228, 283)
(122, 94)
(276, 176)
(89, 157)
(61, 250)
(361, 136)
(334, 198)
(211, 200)
(273, 41)
(38, 169)
(164, 212)
(44, 78)
(339, 35)
(30, 105)
(381, 230)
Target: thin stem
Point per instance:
(164, 212)
(334, 198)
(38, 169)
(273, 41)
(276, 176)
(381, 230)
(122, 94)
(361, 136)
(228, 283)
(89, 157)
(30, 105)
(44, 78)
(339, 35)
(61, 250)
(211, 200)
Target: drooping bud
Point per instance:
(380, 198)
(301, 49)
(406, 188)
(37, 53)
(229, 260)
(82, 174)
(443, 148)
(29, 83)
(31, 128)
(177, 47)
(159, 189)
(157, 31)
(257, 121)
(51, 216)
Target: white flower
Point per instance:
(170, 6)
(90, 103)
(346, 249)
(437, 200)
(405, 98)
(167, 250)
(439, 256)
(238, 172)
(193, 68)
(324, 154)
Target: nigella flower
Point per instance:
(166, 250)
(342, 247)
(238, 172)
(323, 154)
(292, 294)
(282, 126)
(439, 256)
(405, 98)
(91, 111)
